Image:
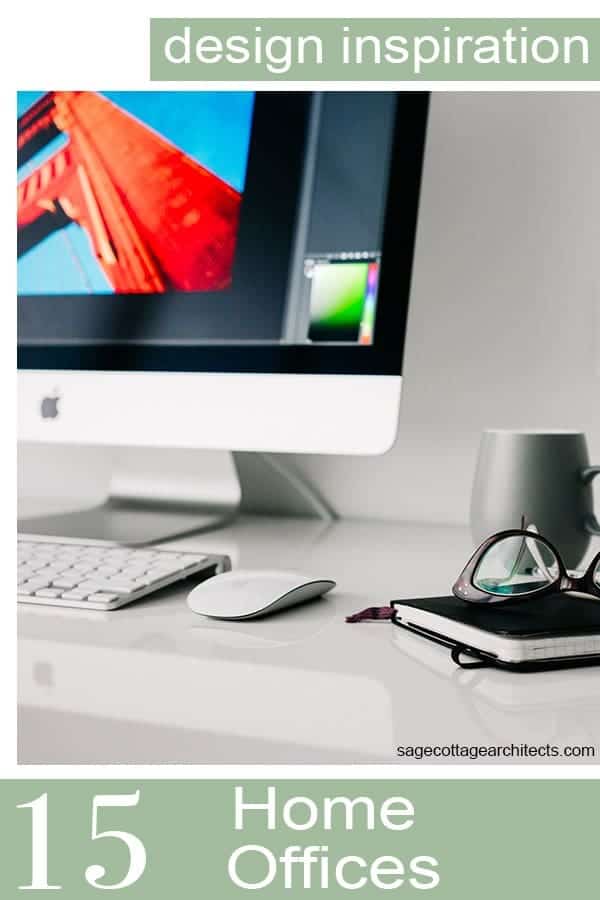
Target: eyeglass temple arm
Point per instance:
(587, 475)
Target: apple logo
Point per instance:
(49, 406)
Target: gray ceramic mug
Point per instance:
(545, 476)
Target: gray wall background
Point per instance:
(504, 326)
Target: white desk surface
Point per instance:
(153, 683)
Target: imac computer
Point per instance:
(217, 271)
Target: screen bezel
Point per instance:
(280, 121)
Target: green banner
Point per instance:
(375, 49)
(220, 839)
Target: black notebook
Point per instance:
(559, 629)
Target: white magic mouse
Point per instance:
(244, 594)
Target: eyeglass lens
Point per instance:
(518, 565)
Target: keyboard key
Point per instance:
(48, 592)
(75, 595)
(120, 587)
(134, 577)
(108, 584)
(102, 598)
(36, 583)
(37, 566)
(66, 583)
(90, 586)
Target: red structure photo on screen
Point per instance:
(155, 218)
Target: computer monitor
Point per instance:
(218, 270)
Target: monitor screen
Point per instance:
(121, 192)
(216, 231)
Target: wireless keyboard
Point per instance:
(57, 572)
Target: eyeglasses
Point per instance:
(518, 564)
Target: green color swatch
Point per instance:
(337, 299)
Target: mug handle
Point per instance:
(587, 475)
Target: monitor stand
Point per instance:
(159, 494)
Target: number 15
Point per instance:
(93, 874)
